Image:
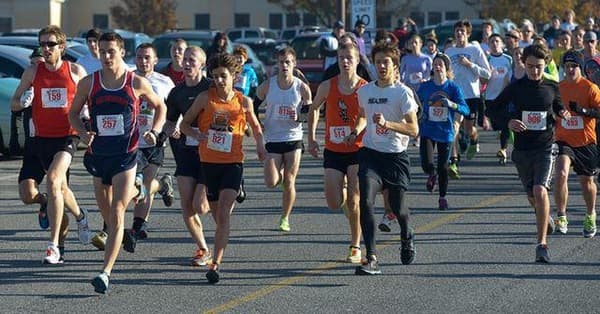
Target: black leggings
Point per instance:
(369, 186)
(504, 135)
(426, 149)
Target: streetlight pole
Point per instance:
(342, 11)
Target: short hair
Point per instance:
(537, 51)
(112, 36)
(178, 41)
(349, 36)
(496, 35)
(464, 23)
(147, 46)
(224, 60)
(240, 51)
(93, 33)
(286, 51)
(388, 49)
(61, 37)
(349, 46)
(198, 50)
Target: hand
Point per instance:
(517, 125)
(261, 152)
(27, 98)
(350, 139)
(464, 61)
(313, 148)
(449, 103)
(565, 114)
(176, 134)
(379, 119)
(87, 137)
(151, 138)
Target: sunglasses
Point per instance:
(49, 44)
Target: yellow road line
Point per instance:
(331, 265)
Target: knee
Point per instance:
(539, 192)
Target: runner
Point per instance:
(341, 145)
(53, 146)
(535, 101)
(576, 139)
(442, 101)
(221, 114)
(390, 111)
(113, 95)
(174, 69)
(91, 62)
(151, 156)
(192, 195)
(284, 95)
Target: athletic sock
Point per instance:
(137, 223)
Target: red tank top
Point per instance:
(53, 95)
(341, 113)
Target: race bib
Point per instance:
(220, 140)
(337, 134)
(190, 141)
(286, 113)
(54, 97)
(438, 114)
(535, 120)
(573, 123)
(145, 122)
(110, 125)
(382, 134)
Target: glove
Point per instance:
(161, 139)
(574, 106)
(448, 103)
(27, 98)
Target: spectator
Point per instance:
(329, 44)
(359, 32)
(219, 45)
(91, 62)
(589, 24)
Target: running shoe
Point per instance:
(83, 228)
(43, 214)
(212, 274)
(386, 222)
(542, 254)
(442, 203)
(52, 255)
(241, 194)
(453, 171)
(431, 180)
(99, 240)
(501, 154)
(100, 283)
(201, 257)
(166, 182)
(129, 240)
(471, 151)
(561, 224)
(284, 224)
(139, 185)
(551, 226)
(142, 234)
(407, 249)
(354, 255)
(369, 267)
(589, 226)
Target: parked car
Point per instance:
(13, 61)
(287, 34)
(446, 29)
(9, 145)
(131, 39)
(162, 43)
(73, 52)
(309, 58)
(251, 32)
(265, 50)
(23, 32)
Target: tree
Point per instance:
(324, 10)
(147, 16)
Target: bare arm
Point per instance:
(313, 117)
(80, 99)
(192, 114)
(26, 82)
(256, 130)
(409, 127)
(78, 72)
(262, 89)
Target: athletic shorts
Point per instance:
(187, 163)
(45, 148)
(218, 177)
(583, 159)
(32, 167)
(475, 105)
(106, 167)
(535, 167)
(391, 169)
(151, 155)
(339, 161)
(284, 147)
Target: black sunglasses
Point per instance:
(49, 44)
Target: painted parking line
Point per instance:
(445, 219)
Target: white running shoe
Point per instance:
(386, 222)
(83, 228)
(52, 255)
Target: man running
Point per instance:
(174, 69)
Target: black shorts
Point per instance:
(339, 161)
(106, 167)
(284, 147)
(32, 167)
(151, 155)
(535, 167)
(45, 148)
(218, 177)
(475, 107)
(392, 169)
(583, 159)
(187, 163)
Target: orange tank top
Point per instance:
(224, 122)
(53, 95)
(341, 113)
(579, 130)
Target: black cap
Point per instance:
(574, 56)
(338, 24)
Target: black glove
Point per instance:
(591, 112)
(161, 139)
(574, 106)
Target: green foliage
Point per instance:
(148, 16)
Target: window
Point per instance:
(419, 18)
(234, 35)
(5, 24)
(241, 20)
(100, 21)
(276, 20)
(452, 15)
(384, 21)
(309, 19)
(252, 34)
(9, 68)
(202, 21)
(434, 18)
(292, 19)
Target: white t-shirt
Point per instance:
(161, 85)
(467, 78)
(394, 102)
(282, 112)
(501, 73)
